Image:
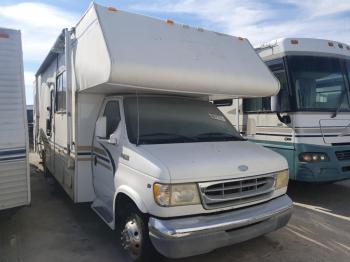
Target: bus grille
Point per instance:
(236, 192)
(343, 155)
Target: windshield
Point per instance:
(176, 120)
(320, 83)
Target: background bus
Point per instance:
(308, 122)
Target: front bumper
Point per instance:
(328, 171)
(184, 237)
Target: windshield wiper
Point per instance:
(341, 100)
(164, 137)
(218, 135)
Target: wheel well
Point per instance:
(123, 204)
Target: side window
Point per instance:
(257, 104)
(223, 102)
(61, 90)
(263, 104)
(112, 113)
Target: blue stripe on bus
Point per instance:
(12, 152)
(13, 158)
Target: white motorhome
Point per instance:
(14, 165)
(124, 121)
(308, 121)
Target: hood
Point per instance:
(335, 130)
(208, 161)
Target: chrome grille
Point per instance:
(236, 192)
(343, 155)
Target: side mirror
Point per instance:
(101, 127)
(284, 119)
(113, 139)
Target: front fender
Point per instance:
(133, 195)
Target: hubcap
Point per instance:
(131, 238)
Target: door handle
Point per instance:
(95, 160)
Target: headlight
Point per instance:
(313, 157)
(176, 194)
(282, 179)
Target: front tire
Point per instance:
(134, 236)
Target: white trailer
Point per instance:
(14, 163)
(308, 121)
(124, 121)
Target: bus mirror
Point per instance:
(275, 104)
(101, 127)
(284, 119)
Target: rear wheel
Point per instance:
(135, 242)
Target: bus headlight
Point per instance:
(309, 157)
(167, 195)
(282, 178)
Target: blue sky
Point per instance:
(258, 20)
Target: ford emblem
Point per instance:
(243, 168)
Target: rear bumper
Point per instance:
(184, 237)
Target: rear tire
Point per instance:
(134, 236)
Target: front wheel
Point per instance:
(134, 237)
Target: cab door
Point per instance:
(106, 152)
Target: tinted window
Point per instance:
(263, 104)
(258, 104)
(157, 120)
(320, 83)
(112, 113)
(61, 90)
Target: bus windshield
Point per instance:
(163, 120)
(320, 83)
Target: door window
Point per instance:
(112, 113)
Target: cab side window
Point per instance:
(112, 114)
(263, 104)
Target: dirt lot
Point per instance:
(54, 229)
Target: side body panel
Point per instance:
(14, 162)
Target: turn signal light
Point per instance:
(294, 41)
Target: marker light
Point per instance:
(4, 35)
(169, 22)
(112, 9)
(294, 41)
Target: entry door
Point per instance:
(106, 156)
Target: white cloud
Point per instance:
(261, 21)
(321, 7)
(39, 23)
